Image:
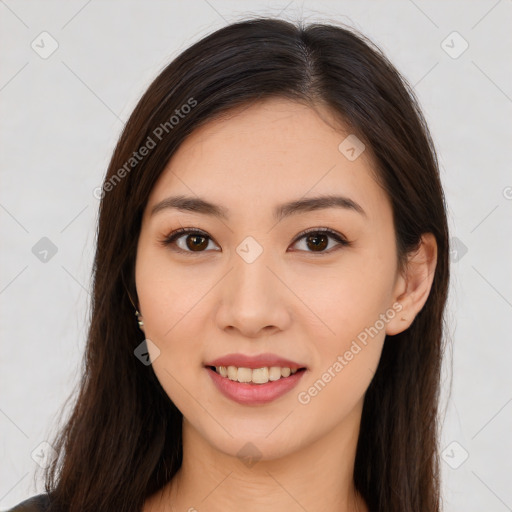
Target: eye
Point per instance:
(318, 239)
(196, 241)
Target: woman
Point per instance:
(273, 214)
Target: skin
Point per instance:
(304, 305)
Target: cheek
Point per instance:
(169, 305)
(352, 298)
(346, 358)
(166, 292)
(353, 308)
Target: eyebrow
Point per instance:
(198, 205)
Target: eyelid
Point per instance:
(182, 231)
(329, 231)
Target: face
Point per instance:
(252, 283)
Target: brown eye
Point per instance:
(188, 241)
(196, 242)
(317, 240)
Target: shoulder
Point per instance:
(38, 503)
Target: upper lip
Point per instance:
(257, 361)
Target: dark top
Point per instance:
(37, 503)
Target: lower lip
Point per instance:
(254, 394)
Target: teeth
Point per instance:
(256, 376)
(244, 374)
(274, 373)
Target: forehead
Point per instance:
(266, 153)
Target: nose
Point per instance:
(254, 302)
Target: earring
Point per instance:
(139, 316)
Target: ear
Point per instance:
(413, 286)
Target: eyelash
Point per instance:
(175, 235)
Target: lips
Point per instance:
(250, 394)
(253, 362)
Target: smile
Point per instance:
(254, 386)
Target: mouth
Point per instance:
(255, 376)
(256, 386)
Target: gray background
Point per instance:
(61, 116)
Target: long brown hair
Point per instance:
(122, 440)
